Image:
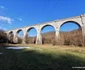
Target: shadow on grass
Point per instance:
(33, 60)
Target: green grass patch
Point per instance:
(46, 59)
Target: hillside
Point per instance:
(65, 38)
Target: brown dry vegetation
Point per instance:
(71, 38)
(3, 37)
(65, 38)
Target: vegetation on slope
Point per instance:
(74, 37)
(65, 38)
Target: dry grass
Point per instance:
(47, 58)
(75, 50)
(55, 48)
(62, 47)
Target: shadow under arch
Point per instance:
(31, 39)
(68, 36)
(20, 36)
(49, 36)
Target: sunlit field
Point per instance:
(42, 57)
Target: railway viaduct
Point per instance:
(79, 20)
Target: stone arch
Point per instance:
(70, 21)
(46, 26)
(31, 39)
(49, 38)
(10, 32)
(68, 35)
(19, 30)
(31, 28)
(19, 37)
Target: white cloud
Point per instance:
(2, 7)
(6, 19)
(20, 19)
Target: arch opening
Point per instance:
(31, 36)
(70, 34)
(48, 34)
(20, 36)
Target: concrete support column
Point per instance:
(39, 38)
(15, 38)
(24, 37)
(83, 34)
(8, 36)
(56, 34)
(83, 28)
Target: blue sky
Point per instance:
(20, 13)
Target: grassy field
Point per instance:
(43, 57)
